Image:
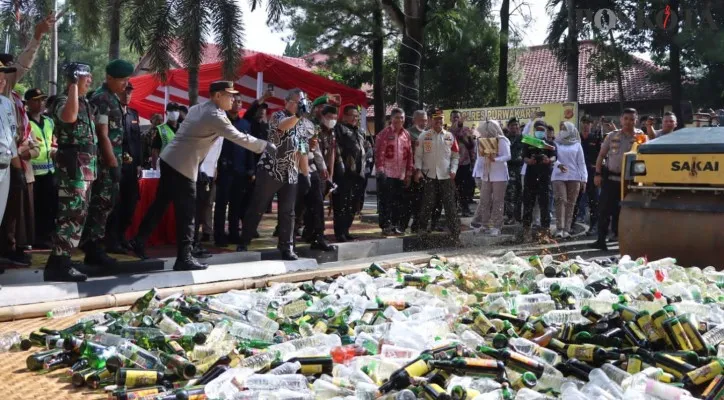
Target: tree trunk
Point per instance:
(572, 56)
(503, 62)
(193, 84)
(619, 73)
(114, 20)
(377, 72)
(53, 58)
(410, 56)
(675, 70)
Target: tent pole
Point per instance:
(165, 101)
(259, 84)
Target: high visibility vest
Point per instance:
(43, 163)
(166, 134)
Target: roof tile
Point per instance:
(544, 79)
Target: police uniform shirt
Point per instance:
(615, 145)
(203, 124)
(437, 154)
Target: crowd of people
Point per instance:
(70, 168)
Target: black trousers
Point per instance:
(122, 214)
(300, 205)
(346, 202)
(440, 190)
(205, 194)
(537, 187)
(465, 185)
(390, 203)
(46, 206)
(264, 191)
(592, 197)
(177, 188)
(514, 194)
(233, 191)
(412, 197)
(314, 208)
(610, 206)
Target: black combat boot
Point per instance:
(59, 269)
(96, 256)
(138, 248)
(186, 262)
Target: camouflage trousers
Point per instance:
(73, 199)
(103, 198)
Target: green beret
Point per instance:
(119, 69)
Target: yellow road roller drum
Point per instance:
(673, 198)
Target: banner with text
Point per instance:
(553, 114)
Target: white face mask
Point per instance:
(331, 123)
(172, 115)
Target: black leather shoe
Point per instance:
(256, 235)
(289, 255)
(97, 256)
(242, 247)
(59, 269)
(200, 252)
(188, 263)
(387, 232)
(598, 245)
(322, 244)
(276, 232)
(138, 248)
(116, 249)
(349, 237)
(398, 231)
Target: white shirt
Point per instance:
(437, 154)
(208, 166)
(8, 127)
(570, 155)
(498, 169)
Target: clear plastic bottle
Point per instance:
(599, 377)
(63, 311)
(244, 331)
(324, 390)
(169, 326)
(560, 317)
(615, 373)
(99, 318)
(276, 382)
(197, 327)
(8, 340)
(286, 368)
(259, 320)
(228, 384)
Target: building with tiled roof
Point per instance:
(543, 80)
(211, 55)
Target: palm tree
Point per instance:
(563, 40)
(154, 27)
(93, 16)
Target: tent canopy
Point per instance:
(149, 94)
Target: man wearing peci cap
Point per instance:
(76, 170)
(179, 166)
(436, 159)
(109, 130)
(45, 192)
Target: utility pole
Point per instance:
(53, 64)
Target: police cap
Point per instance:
(222, 86)
(34, 94)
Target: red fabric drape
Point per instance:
(276, 71)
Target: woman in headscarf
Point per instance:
(569, 177)
(491, 176)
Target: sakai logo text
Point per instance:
(605, 19)
(695, 166)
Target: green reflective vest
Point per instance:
(166, 134)
(43, 164)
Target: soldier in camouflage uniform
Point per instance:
(109, 129)
(75, 169)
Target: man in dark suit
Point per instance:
(125, 207)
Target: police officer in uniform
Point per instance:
(608, 177)
(125, 207)
(76, 170)
(45, 192)
(179, 166)
(109, 121)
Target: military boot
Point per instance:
(95, 255)
(59, 269)
(186, 262)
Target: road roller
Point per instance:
(672, 198)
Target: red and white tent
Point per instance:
(150, 95)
